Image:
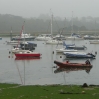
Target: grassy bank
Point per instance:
(14, 91)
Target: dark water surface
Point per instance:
(40, 71)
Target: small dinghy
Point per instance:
(68, 64)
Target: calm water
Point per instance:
(40, 71)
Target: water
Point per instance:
(40, 71)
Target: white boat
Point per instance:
(52, 40)
(17, 50)
(65, 50)
(59, 37)
(43, 37)
(90, 37)
(74, 36)
(94, 42)
(24, 36)
(13, 42)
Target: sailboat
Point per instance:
(26, 53)
(53, 41)
(74, 36)
(94, 41)
(12, 42)
(65, 48)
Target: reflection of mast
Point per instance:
(24, 72)
(19, 74)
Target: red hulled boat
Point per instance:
(28, 54)
(27, 58)
(68, 64)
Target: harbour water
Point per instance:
(41, 71)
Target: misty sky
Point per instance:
(61, 8)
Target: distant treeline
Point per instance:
(41, 25)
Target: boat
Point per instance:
(17, 50)
(90, 37)
(27, 54)
(65, 48)
(70, 69)
(59, 37)
(79, 55)
(28, 46)
(53, 40)
(27, 58)
(23, 36)
(69, 64)
(43, 37)
(74, 36)
(73, 46)
(13, 42)
(94, 42)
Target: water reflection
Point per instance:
(69, 69)
(27, 58)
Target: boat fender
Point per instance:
(60, 56)
(67, 61)
(95, 52)
(53, 52)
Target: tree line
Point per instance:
(40, 25)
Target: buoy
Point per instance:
(9, 52)
(53, 52)
(95, 52)
(60, 56)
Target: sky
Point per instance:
(60, 8)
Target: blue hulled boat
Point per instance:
(73, 46)
(79, 55)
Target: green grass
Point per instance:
(14, 91)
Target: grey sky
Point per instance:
(61, 8)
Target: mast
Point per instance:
(51, 25)
(72, 22)
(11, 35)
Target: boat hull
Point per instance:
(28, 55)
(22, 39)
(70, 55)
(65, 50)
(65, 64)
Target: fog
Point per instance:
(61, 8)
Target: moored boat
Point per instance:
(68, 64)
(79, 55)
(43, 37)
(27, 58)
(27, 54)
(73, 46)
(74, 36)
(23, 36)
(94, 42)
(65, 50)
